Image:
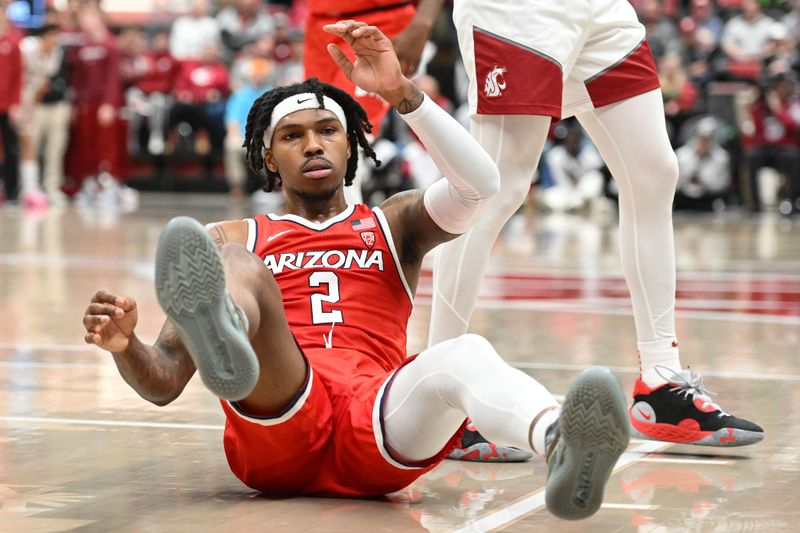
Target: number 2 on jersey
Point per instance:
(318, 315)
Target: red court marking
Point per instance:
(774, 296)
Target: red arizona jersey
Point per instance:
(342, 286)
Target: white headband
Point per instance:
(298, 102)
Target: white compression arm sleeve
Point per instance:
(472, 177)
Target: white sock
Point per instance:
(29, 175)
(658, 353)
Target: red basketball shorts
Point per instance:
(557, 59)
(328, 441)
(318, 63)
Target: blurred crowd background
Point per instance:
(101, 99)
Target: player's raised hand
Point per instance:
(109, 321)
(375, 68)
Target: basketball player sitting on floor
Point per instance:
(298, 322)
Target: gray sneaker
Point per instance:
(590, 435)
(190, 286)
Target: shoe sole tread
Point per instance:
(190, 286)
(594, 433)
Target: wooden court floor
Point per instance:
(81, 451)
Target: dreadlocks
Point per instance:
(260, 115)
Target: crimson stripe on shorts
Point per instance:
(632, 75)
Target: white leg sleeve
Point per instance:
(632, 138)
(515, 144)
(430, 397)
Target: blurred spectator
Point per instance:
(192, 32)
(703, 15)
(692, 52)
(96, 149)
(258, 72)
(745, 40)
(242, 24)
(704, 176)
(154, 73)
(201, 88)
(291, 69)
(680, 95)
(132, 46)
(701, 56)
(781, 52)
(46, 105)
(263, 48)
(430, 86)
(792, 20)
(575, 171)
(774, 139)
(10, 98)
(283, 49)
(661, 32)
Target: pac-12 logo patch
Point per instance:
(369, 238)
(495, 82)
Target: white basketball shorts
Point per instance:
(552, 58)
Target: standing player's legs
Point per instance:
(428, 398)
(647, 174)
(669, 404)
(615, 75)
(515, 61)
(515, 143)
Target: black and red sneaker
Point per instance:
(681, 411)
(474, 447)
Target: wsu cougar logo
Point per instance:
(495, 82)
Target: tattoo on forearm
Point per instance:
(219, 236)
(407, 105)
(157, 372)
